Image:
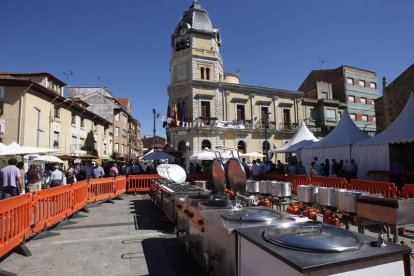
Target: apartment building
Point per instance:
(125, 129)
(354, 86)
(35, 113)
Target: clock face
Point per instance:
(183, 31)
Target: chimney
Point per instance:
(384, 83)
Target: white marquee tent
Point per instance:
(336, 145)
(373, 153)
(302, 138)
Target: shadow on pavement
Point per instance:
(149, 217)
(168, 257)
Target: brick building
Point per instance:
(395, 96)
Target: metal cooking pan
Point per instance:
(236, 176)
(218, 175)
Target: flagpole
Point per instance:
(153, 137)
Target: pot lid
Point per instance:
(236, 176)
(218, 175)
(251, 215)
(313, 237)
(176, 173)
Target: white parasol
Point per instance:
(47, 159)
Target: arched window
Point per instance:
(206, 144)
(241, 146)
(181, 146)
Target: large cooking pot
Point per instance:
(328, 197)
(347, 200)
(265, 187)
(307, 193)
(201, 184)
(281, 189)
(252, 186)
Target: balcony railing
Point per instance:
(241, 124)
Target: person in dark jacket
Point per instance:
(326, 168)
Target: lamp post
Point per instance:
(156, 115)
(266, 122)
(38, 126)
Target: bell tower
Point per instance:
(196, 68)
(195, 48)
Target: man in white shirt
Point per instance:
(56, 177)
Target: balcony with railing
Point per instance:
(213, 122)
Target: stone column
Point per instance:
(298, 111)
(227, 95)
(276, 104)
(252, 102)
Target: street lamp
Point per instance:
(153, 138)
(266, 122)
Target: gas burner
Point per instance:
(174, 187)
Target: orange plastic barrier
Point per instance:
(388, 189)
(407, 191)
(409, 177)
(120, 185)
(101, 188)
(51, 206)
(141, 182)
(273, 176)
(330, 182)
(298, 180)
(80, 195)
(379, 176)
(15, 217)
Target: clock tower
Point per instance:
(196, 68)
(195, 48)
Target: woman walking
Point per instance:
(34, 176)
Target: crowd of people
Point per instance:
(330, 168)
(14, 180)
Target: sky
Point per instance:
(125, 44)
